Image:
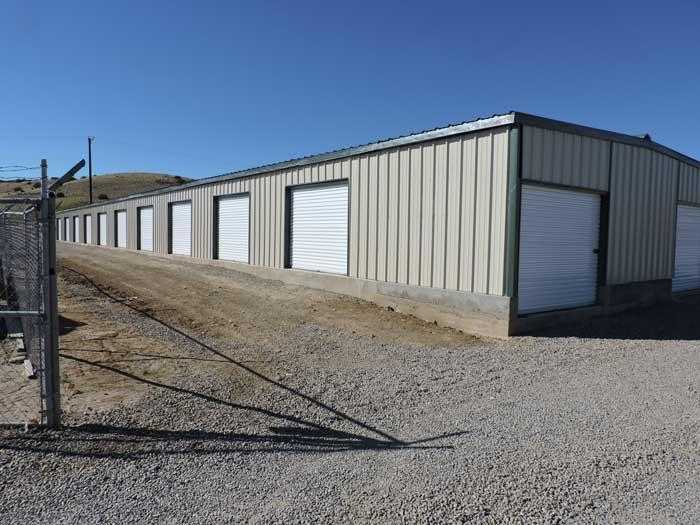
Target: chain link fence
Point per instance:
(29, 387)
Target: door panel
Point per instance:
(559, 236)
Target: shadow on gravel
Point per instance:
(66, 325)
(301, 436)
(673, 321)
(128, 443)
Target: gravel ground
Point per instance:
(318, 423)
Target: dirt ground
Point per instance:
(19, 395)
(202, 300)
(195, 393)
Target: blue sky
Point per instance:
(201, 88)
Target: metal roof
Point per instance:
(512, 118)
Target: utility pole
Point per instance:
(90, 139)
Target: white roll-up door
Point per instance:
(181, 228)
(59, 229)
(102, 229)
(559, 237)
(232, 228)
(121, 228)
(66, 230)
(76, 229)
(686, 271)
(146, 229)
(88, 229)
(319, 228)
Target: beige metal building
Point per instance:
(495, 226)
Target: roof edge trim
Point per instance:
(481, 124)
(578, 129)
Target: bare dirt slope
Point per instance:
(198, 394)
(224, 303)
(207, 301)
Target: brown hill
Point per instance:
(108, 186)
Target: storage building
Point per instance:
(497, 226)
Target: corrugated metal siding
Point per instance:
(642, 209)
(644, 187)
(426, 213)
(430, 214)
(689, 184)
(567, 159)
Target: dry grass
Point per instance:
(113, 185)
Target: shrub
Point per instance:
(102, 196)
(19, 189)
(36, 185)
(60, 195)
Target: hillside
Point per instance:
(111, 186)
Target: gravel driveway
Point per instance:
(267, 403)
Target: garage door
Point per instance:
(146, 229)
(559, 232)
(76, 229)
(232, 228)
(66, 230)
(120, 224)
(102, 229)
(686, 272)
(59, 229)
(181, 228)
(88, 229)
(319, 228)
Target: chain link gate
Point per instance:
(29, 377)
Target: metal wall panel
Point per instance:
(428, 214)
(689, 184)
(566, 159)
(642, 210)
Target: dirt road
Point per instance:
(198, 394)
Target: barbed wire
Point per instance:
(8, 178)
(16, 168)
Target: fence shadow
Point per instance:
(293, 434)
(67, 325)
(131, 443)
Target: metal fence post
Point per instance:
(52, 379)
